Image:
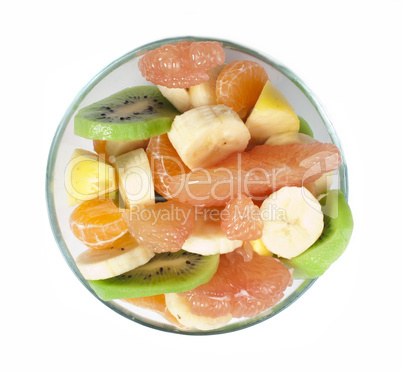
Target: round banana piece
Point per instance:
(198, 95)
(205, 135)
(178, 97)
(293, 221)
(204, 94)
(125, 255)
(209, 239)
(136, 184)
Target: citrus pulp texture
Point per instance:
(165, 162)
(240, 288)
(241, 219)
(155, 303)
(240, 84)
(256, 173)
(97, 223)
(181, 65)
(162, 227)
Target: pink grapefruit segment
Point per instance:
(240, 288)
(241, 219)
(256, 173)
(161, 227)
(181, 65)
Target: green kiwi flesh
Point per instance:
(132, 114)
(338, 227)
(305, 127)
(169, 272)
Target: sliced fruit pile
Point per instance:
(206, 194)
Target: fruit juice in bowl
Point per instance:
(197, 186)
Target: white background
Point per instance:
(347, 52)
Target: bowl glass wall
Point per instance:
(124, 73)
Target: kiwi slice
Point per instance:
(305, 127)
(338, 227)
(131, 114)
(168, 272)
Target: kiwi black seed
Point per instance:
(169, 272)
(131, 114)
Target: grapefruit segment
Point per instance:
(256, 173)
(240, 288)
(181, 65)
(162, 227)
(179, 307)
(241, 219)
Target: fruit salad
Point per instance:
(206, 194)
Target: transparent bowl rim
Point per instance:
(343, 174)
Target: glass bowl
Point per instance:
(124, 73)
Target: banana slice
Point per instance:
(209, 239)
(136, 185)
(125, 255)
(288, 138)
(272, 114)
(205, 135)
(198, 95)
(180, 309)
(293, 221)
(116, 148)
(205, 94)
(178, 97)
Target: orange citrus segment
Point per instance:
(240, 84)
(241, 288)
(97, 223)
(165, 162)
(155, 303)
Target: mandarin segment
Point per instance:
(165, 162)
(154, 303)
(97, 223)
(239, 85)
